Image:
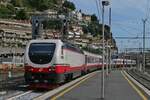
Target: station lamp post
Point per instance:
(104, 3)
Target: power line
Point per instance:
(126, 30)
(122, 28)
(131, 37)
(131, 26)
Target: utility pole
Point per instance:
(140, 60)
(102, 82)
(104, 3)
(107, 57)
(108, 47)
(123, 55)
(110, 38)
(125, 58)
(144, 28)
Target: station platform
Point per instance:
(117, 87)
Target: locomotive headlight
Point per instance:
(40, 70)
(45, 81)
(36, 81)
(50, 69)
(32, 69)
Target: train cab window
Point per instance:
(41, 53)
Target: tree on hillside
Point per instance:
(69, 5)
(52, 24)
(42, 5)
(11, 8)
(2, 1)
(85, 29)
(17, 3)
(22, 15)
(96, 29)
(94, 18)
(6, 11)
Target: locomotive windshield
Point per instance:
(41, 53)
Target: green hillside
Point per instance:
(19, 9)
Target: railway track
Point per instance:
(28, 95)
(21, 92)
(16, 89)
(144, 79)
(31, 94)
(12, 86)
(10, 83)
(34, 94)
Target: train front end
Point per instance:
(40, 57)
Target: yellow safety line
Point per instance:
(70, 88)
(135, 88)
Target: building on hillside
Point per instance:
(76, 15)
(45, 14)
(79, 15)
(14, 34)
(60, 2)
(13, 38)
(12, 45)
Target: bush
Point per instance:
(6, 11)
(52, 24)
(21, 15)
(17, 3)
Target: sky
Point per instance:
(127, 18)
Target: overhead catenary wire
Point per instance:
(127, 26)
(131, 37)
(123, 28)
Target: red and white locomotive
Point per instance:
(54, 61)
